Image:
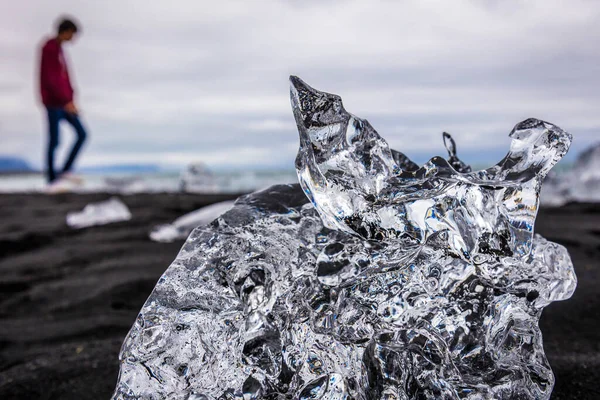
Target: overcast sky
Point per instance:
(180, 81)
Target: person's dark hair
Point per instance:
(65, 25)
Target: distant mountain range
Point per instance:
(14, 164)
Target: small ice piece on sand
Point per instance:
(580, 184)
(101, 213)
(182, 226)
(126, 185)
(197, 178)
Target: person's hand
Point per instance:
(70, 108)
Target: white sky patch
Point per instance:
(237, 157)
(205, 80)
(268, 125)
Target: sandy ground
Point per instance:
(68, 298)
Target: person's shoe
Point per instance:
(71, 177)
(58, 186)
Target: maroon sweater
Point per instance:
(55, 86)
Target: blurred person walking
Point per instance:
(57, 96)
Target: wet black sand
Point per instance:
(67, 298)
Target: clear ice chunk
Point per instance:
(101, 213)
(126, 184)
(453, 160)
(182, 226)
(349, 173)
(282, 298)
(197, 178)
(579, 184)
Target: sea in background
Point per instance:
(169, 181)
(154, 182)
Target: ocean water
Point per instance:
(171, 182)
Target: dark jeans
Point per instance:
(54, 117)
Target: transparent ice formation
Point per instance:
(197, 178)
(182, 226)
(349, 173)
(453, 160)
(126, 184)
(393, 282)
(579, 184)
(101, 213)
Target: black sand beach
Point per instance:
(68, 297)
